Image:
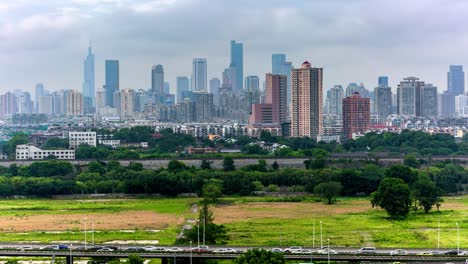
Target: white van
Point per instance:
(365, 250)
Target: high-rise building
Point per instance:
(237, 62)
(461, 105)
(100, 100)
(383, 100)
(382, 81)
(89, 94)
(40, 91)
(204, 106)
(279, 65)
(229, 78)
(183, 84)
(167, 88)
(25, 103)
(276, 94)
(8, 104)
(334, 100)
(356, 115)
(447, 104)
(456, 80)
(157, 79)
(252, 83)
(112, 84)
(354, 87)
(59, 102)
(409, 96)
(74, 103)
(46, 104)
(199, 74)
(306, 101)
(126, 103)
(215, 84)
(429, 101)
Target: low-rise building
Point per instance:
(79, 138)
(30, 152)
(113, 143)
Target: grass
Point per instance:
(260, 221)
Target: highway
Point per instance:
(343, 254)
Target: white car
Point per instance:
(149, 248)
(173, 249)
(304, 251)
(276, 250)
(105, 249)
(23, 248)
(463, 253)
(398, 252)
(326, 251)
(293, 249)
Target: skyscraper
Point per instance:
(237, 62)
(279, 65)
(182, 86)
(157, 79)
(409, 96)
(354, 87)
(25, 103)
(199, 74)
(306, 101)
(215, 84)
(40, 91)
(383, 81)
(8, 104)
(356, 115)
(252, 83)
(204, 106)
(456, 80)
(334, 100)
(276, 89)
(74, 103)
(126, 103)
(447, 104)
(112, 81)
(383, 100)
(429, 101)
(89, 94)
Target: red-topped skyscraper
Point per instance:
(356, 115)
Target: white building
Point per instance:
(113, 143)
(29, 152)
(78, 138)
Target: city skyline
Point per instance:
(58, 64)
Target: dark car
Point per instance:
(135, 249)
(451, 252)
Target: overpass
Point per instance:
(185, 257)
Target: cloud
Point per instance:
(355, 41)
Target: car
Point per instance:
(427, 253)
(326, 251)
(94, 248)
(398, 252)
(220, 250)
(50, 247)
(280, 250)
(436, 252)
(365, 250)
(293, 249)
(134, 249)
(201, 248)
(23, 248)
(149, 248)
(173, 249)
(231, 250)
(463, 253)
(105, 249)
(451, 252)
(303, 251)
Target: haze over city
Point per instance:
(354, 41)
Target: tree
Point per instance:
(13, 169)
(407, 174)
(228, 164)
(96, 167)
(205, 164)
(260, 256)
(426, 193)
(275, 165)
(134, 259)
(56, 143)
(328, 190)
(176, 166)
(411, 161)
(17, 139)
(212, 191)
(393, 195)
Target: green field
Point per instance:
(251, 221)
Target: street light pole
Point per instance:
(71, 258)
(313, 234)
(85, 233)
(93, 232)
(321, 238)
(458, 238)
(328, 250)
(198, 229)
(438, 234)
(190, 252)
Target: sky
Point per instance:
(353, 40)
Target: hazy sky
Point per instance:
(353, 40)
